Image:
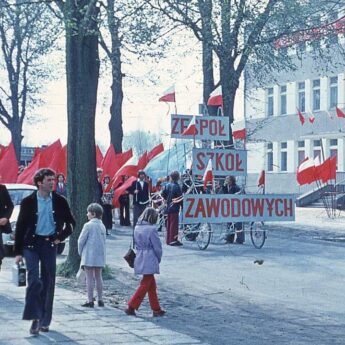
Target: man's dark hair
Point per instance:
(175, 176)
(141, 172)
(41, 174)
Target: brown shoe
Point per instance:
(35, 327)
(130, 311)
(160, 312)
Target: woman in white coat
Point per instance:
(91, 248)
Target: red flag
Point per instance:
(168, 95)
(47, 154)
(239, 134)
(339, 112)
(142, 161)
(28, 173)
(155, 151)
(119, 191)
(191, 129)
(216, 97)
(262, 179)
(306, 171)
(123, 158)
(99, 156)
(2, 150)
(109, 164)
(36, 152)
(311, 118)
(59, 163)
(129, 170)
(208, 174)
(301, 117)
(8, 165)
(327, 170)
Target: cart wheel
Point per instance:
(257, 234)
(204, 235)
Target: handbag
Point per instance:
(130, 257)
(19, 274)
(80, 276)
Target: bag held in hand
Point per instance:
(129, 257)
(19, 274)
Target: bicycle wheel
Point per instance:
(257, 234)
(204, 235)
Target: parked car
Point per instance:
(17, 193)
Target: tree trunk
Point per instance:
(15, 128)
(115, 123)
(82, 67)
(205, 8)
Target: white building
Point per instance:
(279, 142)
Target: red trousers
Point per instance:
(147, 285)
(172, 228)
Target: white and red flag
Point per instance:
(339, 112)
(301, 117)
(168, 95)
(311, 118)
(240, 134)
(216, 97)
(208, 174)
(306, 171)
(191, 129)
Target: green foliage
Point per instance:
(107, 273)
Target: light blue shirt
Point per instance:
(45, 220)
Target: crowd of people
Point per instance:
(45, 219)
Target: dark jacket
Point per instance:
(6, 208)
(143, 196)
(27, 221)
(233, 189)
(62, 191)
(171, 191)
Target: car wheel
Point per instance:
(61, 247)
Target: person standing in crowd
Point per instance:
(91, 248)
(6, 209)
(141, 195)
(230, 187)
(107, 204)
(146, 263)
(61, 186)
(172, 194)
(44, 220)
(99, 187)
(124, 205)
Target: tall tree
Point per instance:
(133, 29)
(27, 35)
(239, 32)
(82, 71)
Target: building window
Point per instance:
(317, 148)
(301, 96)
(316, 94)
(269, 157)
(333, 92)
(301, 144)
(283, 100)
(333, 143)
(283, 156)
(270, 103)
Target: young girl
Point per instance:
(149, 254)
(91, 248)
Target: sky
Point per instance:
(146, 82)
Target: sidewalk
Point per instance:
(73, 324)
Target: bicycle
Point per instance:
(228, 233)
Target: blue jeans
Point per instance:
(41, 283)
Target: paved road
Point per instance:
(217, 296)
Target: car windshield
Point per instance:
(17, 195)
